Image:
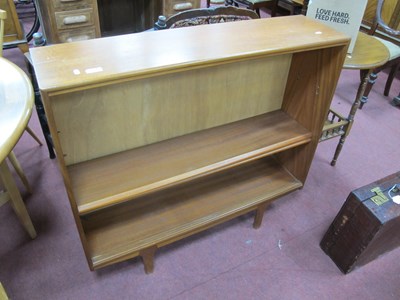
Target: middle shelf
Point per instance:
(97, 183)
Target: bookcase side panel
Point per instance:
(66, 177)
(310, 88)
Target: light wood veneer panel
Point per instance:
(97, 183)
(169, 215)
(152, 53)
(307, 99)
(163, 107)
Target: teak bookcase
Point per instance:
(163, 134)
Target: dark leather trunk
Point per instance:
(365, 227)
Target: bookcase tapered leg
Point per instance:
(148, 259)
(259, 215)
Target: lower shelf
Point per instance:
(157, 219)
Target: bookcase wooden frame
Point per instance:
(156, 143)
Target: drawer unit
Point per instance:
(69, 20)
(172, 7)
(71, 4)
(74, 19)
(80, 34)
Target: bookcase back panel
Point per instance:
(166, 106)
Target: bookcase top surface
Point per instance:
(82, 64)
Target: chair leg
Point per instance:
(23, 47)
(371, 81)
(350, 119)
(396, 101)
(389, 81)
(16, 200)
(40, 110)
(17, 166)
(35, 137)
(274, 8)
(305, 7)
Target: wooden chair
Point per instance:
(8, 190)
(3, 16)
(13, 32)
(215, 2)
(292, 7)
(387, 20)
(203, 16)
(15, 36)
(368, 53)
(4, 27)
(289, 7)
(255, 5)
(396, 100)
(393, 32)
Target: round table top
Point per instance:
(368, 53)
(16, 102)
